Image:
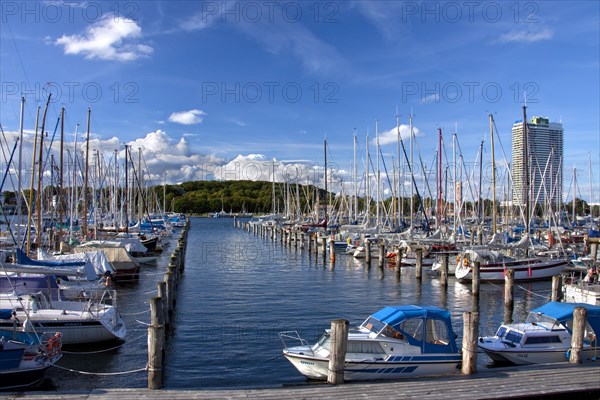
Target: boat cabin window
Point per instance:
(413, 327)
(514, 337)
(392, 333)
(588, 334)
(437, 332)
(370, 347)
(542, 339)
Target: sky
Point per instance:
(235, 90)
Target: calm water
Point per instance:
(239, 290)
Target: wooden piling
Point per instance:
(398, 257)
(509, 281)
(368, 251)
(302, 240)
(162, 293)
(156, 339)
(332, 250)
(556, 287)
(579, 322)
(469, 342)
(419, 265)
(337, 357)
(444, 272)
(475, 279)
(381, 254)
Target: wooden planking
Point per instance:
(574, 381)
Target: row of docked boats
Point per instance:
(408, 341)
(66, 298)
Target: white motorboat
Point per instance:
(545, 337)
(395, 342)
(78, 321)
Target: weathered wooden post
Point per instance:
(579, 322)
(302, 240)
(156, 344)
(295, 239)
(234, 222)
(469, 342)
(316, 243)
(162, 293)
(594, 249)
(444, 273)
(337, 357)
(381, 254)
(419, 265)
(368, 251)
(332, 250)
(509, 281)
(475, 278)
(556, 287)
(398, 257)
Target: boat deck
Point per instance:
(554, 381)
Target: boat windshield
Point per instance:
(513, 337)
(373, 325)
(539, 318)
(501, 331)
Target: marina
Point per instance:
(239, 292)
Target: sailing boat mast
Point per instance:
(440, 191)
(325, 177)
(355, 172)
(85, 179)
(40, 173)
(60, 178)
(493, 176)
(19, 190)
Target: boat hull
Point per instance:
(525, 357)
(401, 367)
(496, 272)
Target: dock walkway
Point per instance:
(551, 381)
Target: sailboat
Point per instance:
(492, 258)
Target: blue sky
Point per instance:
(205, 88)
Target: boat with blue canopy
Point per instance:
(545, 337)
(395, 342)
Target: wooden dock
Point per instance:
(551, 381)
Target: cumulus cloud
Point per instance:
(189, 117)
(391, 135)
(110, 38)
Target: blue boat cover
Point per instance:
(563, 312)
(22, 258)
(395, 315)
(5, 314)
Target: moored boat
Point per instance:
(494, 264)
(78, 321)
(545, 337)
(395, 342)
(24, 358)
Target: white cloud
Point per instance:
(391, 136)
(189, 117)
(108, 39)
(525, 36)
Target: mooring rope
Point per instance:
(101, 373)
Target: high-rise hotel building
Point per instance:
(544, 162)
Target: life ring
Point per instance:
(466, 262)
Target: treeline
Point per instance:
(199, 197)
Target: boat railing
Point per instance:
(293, 336)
